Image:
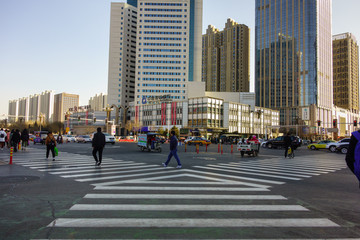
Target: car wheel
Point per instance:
(332, 149)
(344, 150)
(189, 143)
(313, 148)
(112, 143)
(269, 145)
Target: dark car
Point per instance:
(161, 140)
(343, 147)
(279, 142)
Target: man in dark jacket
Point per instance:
(173, 151)
(15, 139)
(350, 155)
(287, 144)
(98, 144)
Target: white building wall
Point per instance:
(122, 54)
(168, 49)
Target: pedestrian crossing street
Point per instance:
(141, 200)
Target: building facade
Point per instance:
(122, 54)
(226, 58)
(13, 110)
(206, 114)
(293, 59)
(32, 108)
(98, 102)
(62, 103)
(168, 48)
(346, 72)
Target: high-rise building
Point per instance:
(346, 71)
(13, 110)
(293, 60)
(47, 105)
(98, 102)
(168, 48)
(34, 107)
(226, 58)
(122, 54)
(23, 111)
(62, 103)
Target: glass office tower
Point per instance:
(293, 62)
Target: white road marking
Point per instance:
(191, 222)
(151, 188)
(182, 196)
(187, 207)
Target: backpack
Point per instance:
(52, 142)
(2, 135)
(357, 155)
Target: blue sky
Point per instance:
(63, 45)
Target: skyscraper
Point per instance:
(122, 54)
(346, 71)
(226, 58)
(293, 60)
(168, 48)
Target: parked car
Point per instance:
(320, 145)
(343, 147)
(83, 139)
(333, 146)
(279, 142)
(199, 140)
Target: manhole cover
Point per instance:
(17, 179)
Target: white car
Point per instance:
(69, 138)
(83, 138)
(188, 139)
(332, 146)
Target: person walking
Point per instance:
(24, 139)
(173, 151)
(7, 138)
(287, 144)
(353, 154)
(59, 139)
(15, 139)
(3, 137)
(50, 143)
(98, 144)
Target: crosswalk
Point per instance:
(136, 200)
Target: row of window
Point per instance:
(161, 61)
(156, 67)
(163, 21)
(162, 79)
(163, 44)
(163, 4)
(161, 10)
(161, 85)
(171, 97)
(164, 27)
(163, 39)
(161, 50)
(161, 73)
(164, 33)
(161, 91)
(162, 56)
(162, 15)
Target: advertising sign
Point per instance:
(305, 114)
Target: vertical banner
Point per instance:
(173, 113)
(163, 113)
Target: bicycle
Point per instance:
(290, 152)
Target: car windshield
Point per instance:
(106, 134)
(86, 136)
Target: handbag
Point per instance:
(56, 151)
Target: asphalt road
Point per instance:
(214, 195)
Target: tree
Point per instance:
(161, 131)
(177, 131)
